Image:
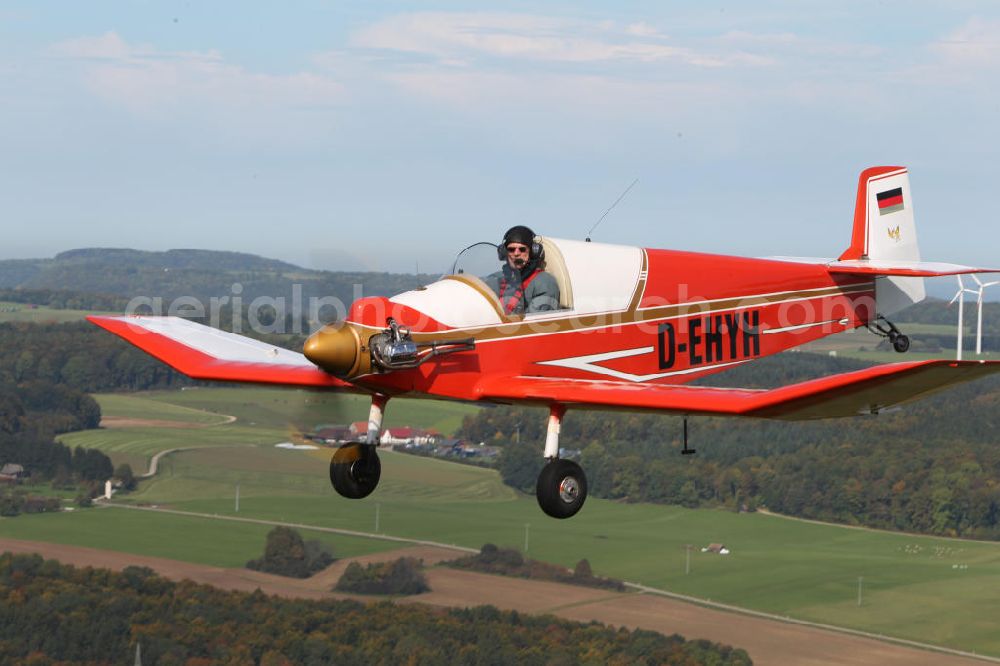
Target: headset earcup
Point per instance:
(537, 251)
(501, 251)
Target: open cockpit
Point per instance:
(592, 278)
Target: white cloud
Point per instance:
(975, 44)
(146, 80)
(461, 37)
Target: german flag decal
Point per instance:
(890, 201)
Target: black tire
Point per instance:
(355, 470)
(901, 344)
(561, 489)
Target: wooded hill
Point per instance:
(201, 274)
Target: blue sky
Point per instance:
(385, 135)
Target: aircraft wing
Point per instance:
(848, 394)
(203, 352)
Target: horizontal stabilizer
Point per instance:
(861, 392)
(203, 352)
(887, 267)
(903, 268)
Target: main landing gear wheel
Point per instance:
(355, 470)
(562, 488)
(901, 343)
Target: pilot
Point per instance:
(522, 283)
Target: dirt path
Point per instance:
(128, 422)
(767, 641)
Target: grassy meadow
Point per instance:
(21, 312)
(922, 588)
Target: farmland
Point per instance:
(40, 314)
(922, 588)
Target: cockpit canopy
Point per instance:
(593, 278)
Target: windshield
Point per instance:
(479, 259)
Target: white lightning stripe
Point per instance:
(589, 364)
(842, 322)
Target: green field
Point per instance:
(190, 539)
(921, 588)
(133, 406)
(263, 416)
(280, 408)
(22, 312)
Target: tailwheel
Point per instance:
(899, 342)
(562, 488)
(355, 470)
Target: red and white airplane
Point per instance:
(635, 325)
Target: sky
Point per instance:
(388, 135)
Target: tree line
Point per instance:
(402, 576)
(492, 559)
(50, 612)
(78, 355)
(31, 416)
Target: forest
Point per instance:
(51, 612)
(79, 356)
(30, 416)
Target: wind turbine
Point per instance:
(960, 297)
(979, 301)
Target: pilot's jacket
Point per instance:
(541, 293)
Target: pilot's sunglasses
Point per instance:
(514, 249)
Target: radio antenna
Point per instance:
(622, 196)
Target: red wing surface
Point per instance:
(849, 394)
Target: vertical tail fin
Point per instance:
(883, 217)
(884, 230)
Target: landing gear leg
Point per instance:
(355, 468)
(899, 342)
(562, 485)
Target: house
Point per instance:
(398, 435)
(408, 436)
(333, 434)
(12, 473)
